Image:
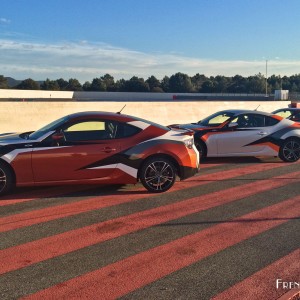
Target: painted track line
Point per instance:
(41, 193)
(27, 254)
(262, 285)
(60, 211)
(141, 269)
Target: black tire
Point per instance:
(157, 174)
(201, 147)
(290, 150)
(6, 179)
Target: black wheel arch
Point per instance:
(198, 141)
(5, 163)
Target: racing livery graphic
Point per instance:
(246, 133)
(98, 147)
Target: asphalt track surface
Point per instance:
(227, 233)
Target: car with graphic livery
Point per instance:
(98, 148)
(234, 132)
(290, 113)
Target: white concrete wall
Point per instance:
(29, 94)
(111, 96)
(26, 116)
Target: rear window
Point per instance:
(269, 121)
(126, 130)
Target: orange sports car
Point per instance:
(98, 147)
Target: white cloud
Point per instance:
(4, 21)
(86, 61)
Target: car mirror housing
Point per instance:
(233, 125)
(57, 136)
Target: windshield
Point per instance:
(216, 119)
(50, 127)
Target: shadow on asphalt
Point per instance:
(240, 160)
(23, 193)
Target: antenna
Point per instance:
(119, 112)
(257, 107)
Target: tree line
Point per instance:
(177, 83)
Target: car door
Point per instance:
(242, 136)
(79, 151)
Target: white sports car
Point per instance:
(246, 133)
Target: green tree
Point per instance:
(120, 85)
(62, 84)
(154, 84)
(208, 86)
(197, 81)
(238, 85)
(3, 82)
(274, 83)
(98, 85)
(74, 85)
(165, 84)
(221, 83)
(109, 82)
(295, 83)
(86, 86)
(136, 84)
(180, 83)
(256, 84)
(28, 84)
(50, 85)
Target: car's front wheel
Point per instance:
(290, 150)
(201, 147)
(6, 179)
(158, 174)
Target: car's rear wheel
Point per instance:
(158, 174)
(201, 147)
(6, 179)
(290, 150)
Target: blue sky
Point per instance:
(124, 38)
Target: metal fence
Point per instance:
(294, 96)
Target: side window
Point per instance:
(250, 120)
(269, 121)
(296, 117)
(90, 131)
(284, 113)
(218, 120)
(126, 130)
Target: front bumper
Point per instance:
(187, 172)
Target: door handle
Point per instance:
(262, 133)
(108, 149)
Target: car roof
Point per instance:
(91, 114)
(244, 111)
(288, 108)
(115, 116)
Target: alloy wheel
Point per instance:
(291, 150)
(3, 180)
(158, 175)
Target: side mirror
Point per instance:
(58, 136)
(233, 125)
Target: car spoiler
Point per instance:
(183, 131)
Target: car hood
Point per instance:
(11, 138)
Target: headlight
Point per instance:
(189, 143)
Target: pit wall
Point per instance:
(21, 116)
